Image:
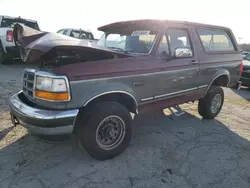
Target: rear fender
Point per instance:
(222, 72)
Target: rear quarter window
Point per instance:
(216, 40)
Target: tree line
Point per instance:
(245, 47)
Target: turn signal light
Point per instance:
(62, 96)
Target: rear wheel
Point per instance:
(105, 130)
(2, 55)
(210, 106)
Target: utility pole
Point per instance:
(240, 38)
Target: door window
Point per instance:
(178, 38)
(174, 38)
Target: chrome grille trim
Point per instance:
(28, 83)
(29, 80)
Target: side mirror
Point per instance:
(183, 52)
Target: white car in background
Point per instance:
(8, 50)
(79, 34)
(244, 53)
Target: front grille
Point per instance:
(28, 83)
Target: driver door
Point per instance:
(179, 75)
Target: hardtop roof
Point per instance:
(75, 29)
(156, 22)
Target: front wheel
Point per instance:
(105, 130)
(210, 106)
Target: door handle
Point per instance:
(194, 62)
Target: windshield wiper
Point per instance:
(117, 48)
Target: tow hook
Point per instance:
(14, 120)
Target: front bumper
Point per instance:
(42, 121)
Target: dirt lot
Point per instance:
(165, 152)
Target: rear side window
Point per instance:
(10, 22)
(75, 33)
(215, 40)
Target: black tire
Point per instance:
(2, 55)
(205, 104)
(88, 125)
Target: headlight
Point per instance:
(51, 84)
(54, 89)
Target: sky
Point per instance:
(52, 15)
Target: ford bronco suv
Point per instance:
(92, 91)
(8, 50)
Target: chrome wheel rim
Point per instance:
(110, 132)
(216, 103)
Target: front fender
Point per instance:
(113, 88)
(86, 91)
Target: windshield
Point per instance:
(8, 22)
(138, 41)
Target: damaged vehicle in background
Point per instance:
(136, 67)
(8, 50)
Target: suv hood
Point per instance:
(49, 47)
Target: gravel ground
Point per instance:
(166, 151)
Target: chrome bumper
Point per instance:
(41, 121)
